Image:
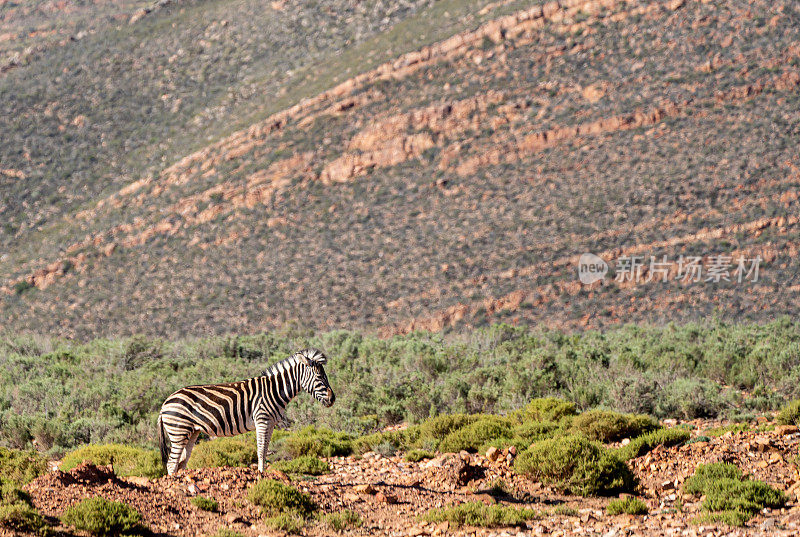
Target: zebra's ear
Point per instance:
(313, 356)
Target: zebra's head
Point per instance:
(312, 376)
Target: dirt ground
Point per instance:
(390, 494)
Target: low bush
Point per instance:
(16, 510)
(482, 515)
(275, 498)
(289, 522)
(535, 430)
(473, 436)
(126, 460)
(706, 475)
(730, 497)
(719, 431)
(699, 438)
(609, 426)
(647, 442)
(20, 517)
(730, 518)
(306, 464)
(564, 510)
(546, 409)
(318, 442)
(225, 532)
(103, 517)
(395, 440)
(790, 414)
(205, 504)
(629, 505)
(231, 451)
(416, 455)
(577, 465)
(432, 431)
(342, 520)
(20, 467)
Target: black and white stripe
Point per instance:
(236, 407)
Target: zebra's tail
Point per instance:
(162, 442)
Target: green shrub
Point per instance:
(745, 496)
(719, 431)
(20, 467)
(564, 510)
(416, 455)
(228, 451)
(205, 504)
(342, 520)
(546, 409)
(16, 510)
(102, 517)
(433, 430)
(609, 426)
(790, 413)
(730, 497)
(535, 430)
(647, 442)
(394, 440)
(700, 438)
(306, 464)
(705, 475)
(126, 460)
(474, 435)
(576, 464)
(319, 443)
(482, 515)
(730, 518)
(225, 532)
(629, 505)
(274, 498)
(289, 522)
(20, 517)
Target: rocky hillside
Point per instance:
(389, 495)
(454, 184)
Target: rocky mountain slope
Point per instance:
(450, 186)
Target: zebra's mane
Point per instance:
(277, 366)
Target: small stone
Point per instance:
(676, 4)
(785, 430)
(386, 498)
(233, 518)
(364, 489)
(492, 453)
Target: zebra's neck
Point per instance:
(282, 381)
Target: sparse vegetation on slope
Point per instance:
(111, 390)
(623, 129)
(479, 514)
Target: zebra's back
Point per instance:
(215, 409)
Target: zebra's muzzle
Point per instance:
(330, 399)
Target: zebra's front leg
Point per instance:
(263, 436)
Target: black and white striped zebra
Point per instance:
(236, 407)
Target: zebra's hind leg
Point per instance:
(177, 443)
(187, 450)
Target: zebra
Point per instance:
(236, 407)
